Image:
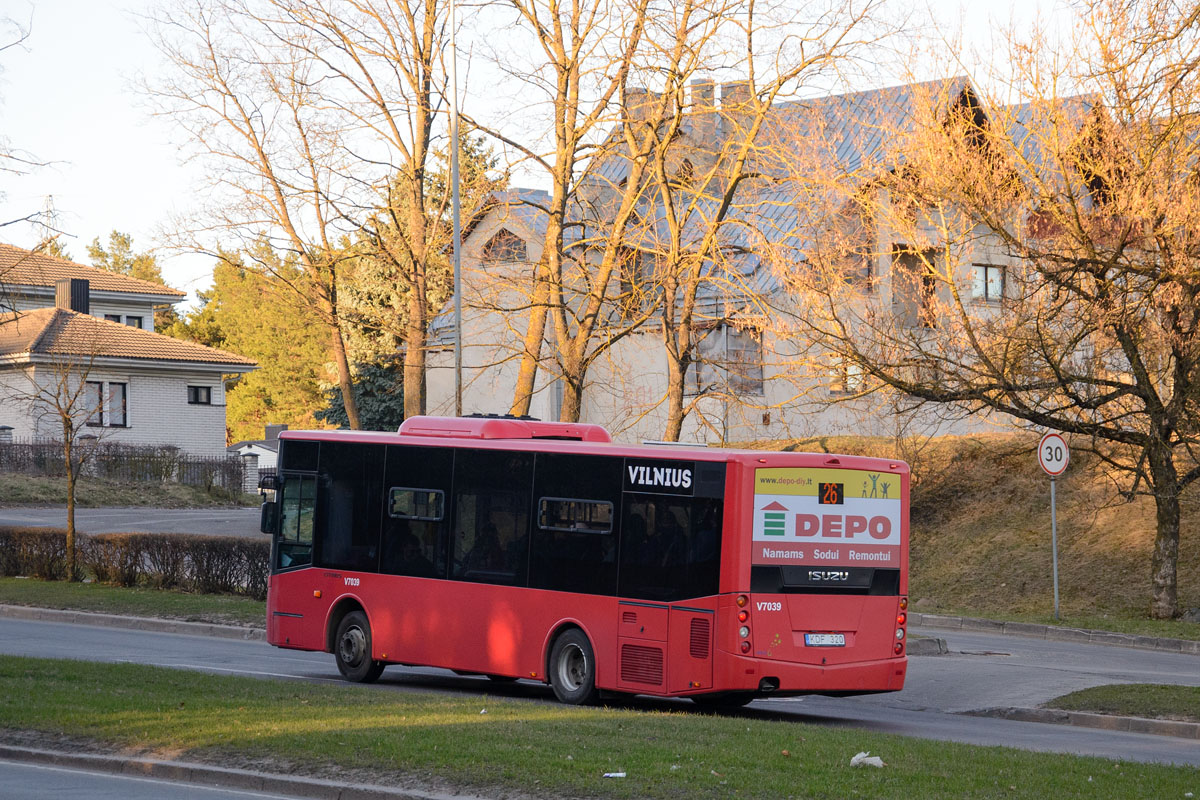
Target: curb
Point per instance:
(205, 775)
(1106, 722)
(1055, 633)
(927, 646)
(156, 624)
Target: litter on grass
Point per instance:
(614, 774)
(866, 759)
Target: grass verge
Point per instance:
(96, 493)
(216, 608)
(1135, 700)
(545, 749)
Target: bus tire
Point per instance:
(352, 649)
(573, 669)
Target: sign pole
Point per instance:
(1053, 456)
(1054, 544)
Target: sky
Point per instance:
(68, 97)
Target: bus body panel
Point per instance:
(677, 647)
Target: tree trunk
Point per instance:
(1164, 561)
(342, 362)
(572, 405)
(532, 354)
(71, 478)
(414, 356)
(676, 375)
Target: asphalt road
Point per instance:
(216, 521)
(983, 671)
(42, 782)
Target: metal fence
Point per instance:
(123, 462)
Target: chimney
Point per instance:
(72, 294)
(636, 103)
(273, 430)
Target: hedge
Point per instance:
(206, 564)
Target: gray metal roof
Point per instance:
(811, 155)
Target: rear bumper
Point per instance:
(863, 677)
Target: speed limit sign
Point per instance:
(1053, 454)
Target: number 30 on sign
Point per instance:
(1053, 454)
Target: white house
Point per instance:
(265, 450)
(751, 381)
(142, 388)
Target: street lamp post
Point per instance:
(456, 223)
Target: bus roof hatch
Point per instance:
(497, 427)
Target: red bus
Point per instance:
(521, 549)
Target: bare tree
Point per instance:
(582, 53)
(61, 390)
(1037, 259)
(717, 189)
(312, 115)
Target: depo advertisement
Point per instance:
(835, 517)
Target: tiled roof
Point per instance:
(20, 267)
(59, 332)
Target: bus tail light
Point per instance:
(903, 603)
(899, 648)
(743, 615)
(742, 601)
(745, 646)
(901, 618)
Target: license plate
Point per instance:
(825, 639)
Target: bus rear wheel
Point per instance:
(352, 649)
(573, 669)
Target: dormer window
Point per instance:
(505, 246)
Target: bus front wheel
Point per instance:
(352, 648)
(573, 669)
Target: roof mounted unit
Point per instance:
(502, 427)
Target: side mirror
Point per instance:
(268, 482)
(268, 517)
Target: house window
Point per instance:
(504, 246)
(94, 398)
(113, 318)
(848, 377)
(118, 397)
(987, 282)
(199, 395)
(633, 284)
(107, 404)
(728, 359)
(133, 322)
(914, 287)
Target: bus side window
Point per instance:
(351, 492)
(670, 548)
(299, 493)
(491, 516)
(410, 534)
